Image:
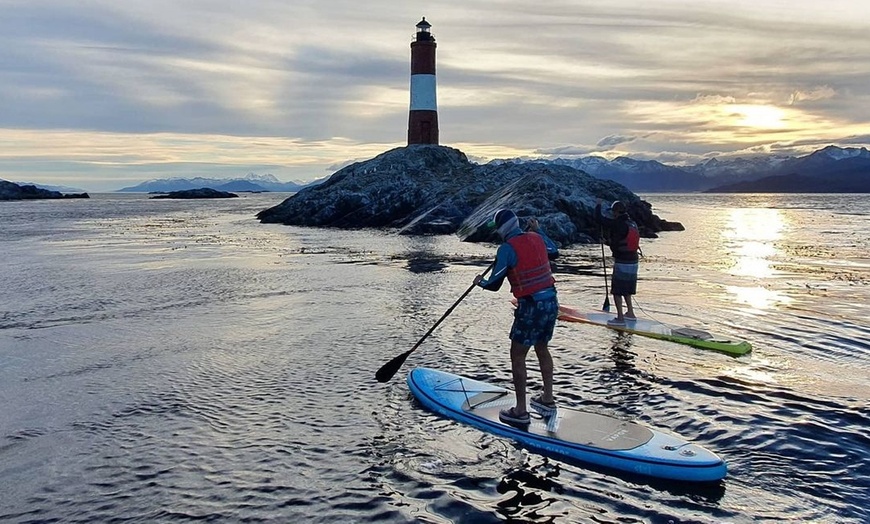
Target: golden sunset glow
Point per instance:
(154, 148)
(759, 116)
(725, 120)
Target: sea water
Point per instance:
(176, 360)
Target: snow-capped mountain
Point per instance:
(251, 182)
(848, 169)
(738, 168)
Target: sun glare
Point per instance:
(760, 117)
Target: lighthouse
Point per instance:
(423, 116)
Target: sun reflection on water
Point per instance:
(752, 233)
(751, 236)
(754, 260)
(758, 297)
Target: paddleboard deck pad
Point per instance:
(577, 435)
(650, 328)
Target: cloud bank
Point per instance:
(101, 94)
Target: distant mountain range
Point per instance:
(251, 182)
(828, 170)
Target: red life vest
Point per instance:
(532, 272)
(631, 242)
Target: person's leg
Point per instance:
(518, 371)
(545, 360)
(629, 313)
(617, 300)
(631, 289)
(623, 286)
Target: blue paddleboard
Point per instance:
(578, 435)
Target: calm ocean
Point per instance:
(176, 360)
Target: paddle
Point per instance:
(390, 368)
(606, 306)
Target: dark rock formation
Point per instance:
(203, 192)
(13, 191)
(427, 189)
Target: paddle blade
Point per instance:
(606, 306)
(390, 368)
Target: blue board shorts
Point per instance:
(624, 281)
(534, 320)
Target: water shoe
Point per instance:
(509, 416)
(542, 408)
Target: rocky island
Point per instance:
(203, 192)
(431, 189)
(13, 191)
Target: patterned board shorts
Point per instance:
(624, 280)
(534, 320)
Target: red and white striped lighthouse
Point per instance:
(423, 117)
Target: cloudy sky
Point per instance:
(102, 94)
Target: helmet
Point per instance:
(617, 207)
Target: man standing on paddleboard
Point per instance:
(524, 259)
(624, 242)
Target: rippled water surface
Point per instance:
(171, 361)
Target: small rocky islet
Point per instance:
(203, 192)
(431, 189)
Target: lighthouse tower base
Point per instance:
(423, 127)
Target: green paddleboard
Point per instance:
(651, 328)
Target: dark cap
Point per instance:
(504, 221)
(502, 217)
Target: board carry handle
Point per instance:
(389, 369)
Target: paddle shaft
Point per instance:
(390, 368)
(606, 306)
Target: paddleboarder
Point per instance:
(624, 242)
(524, 259)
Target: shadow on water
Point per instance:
(415, 261)
(570, 262)
(531, 484)
(424, 264)
(428, 262)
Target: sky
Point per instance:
(103, 94)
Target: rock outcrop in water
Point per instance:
(427, 189)
(13, 191)
(203, 192)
